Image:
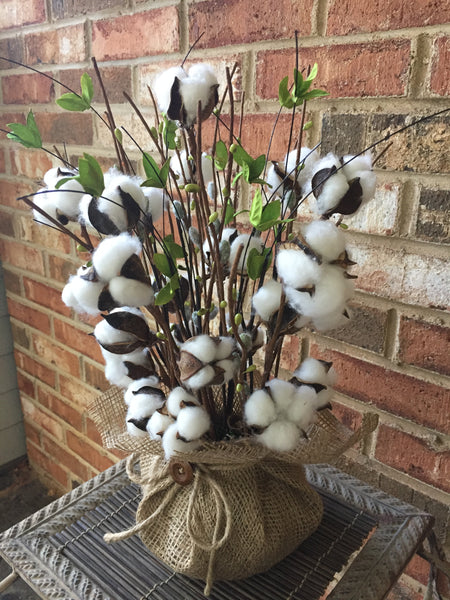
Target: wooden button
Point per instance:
(181, 472)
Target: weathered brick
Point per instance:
(35, 368)
(29, 88)
(382, 15)
(57, 46)
(10, 191)
(115, 79)
(62, 9)
(21, 256)
(68, 128)
(345, 70)
(12, 281)
(421, 148)
(425, 345)
(26, 385)
(422, 402)
(365, 329)
(32, 433)
(68, 460)
(87, 452)
(432, 222)
(75, 338)
(51, 353)
(131, 122)
(95, 377)
(11, 48)
(60, 269)
(43, 236)
(92, 432)
(15, 14)
(224, 22)
(346, 415)
(129, 36)
(413, 456)
(49, 465)
(46, 296)
(75, 392)
(61, 409)
(398, 275)
(6, 224)
(37, 416)
(440, 76)
(29, 163)
(402, 591)
(342, 133)
(21, 336)
(31, 316)
(2, 161)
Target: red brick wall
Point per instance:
(384, 63)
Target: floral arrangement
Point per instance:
(195, 304)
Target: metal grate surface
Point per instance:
(127, 570)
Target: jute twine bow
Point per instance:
(165, 483)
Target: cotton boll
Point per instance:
(282, 393)
(180, 167)
(259, 409)
(110, 203)
(308, 159)
(67, 198)
(110, 175)
(163, 85)
(143, 406)
(229, 366)
(368, 182)
(312, 370)
(329, 321)
(87, 294)
(130, 292)
(228, 233)
(45, 202)
(136, 430)
(323, 398)
(274, 182)
(68, 296)
(104, 333)
(267, 299)
(325, 239)
(202, 347)
(172, 444)
(302, 411)
(116, 372)
(131, 186)
(199, 86)
(158, 424)
(201, 378)
(333, 190)
(353, 165)
(111, 254)
(83, 208)
(156, 202)
(178, 398)
(297, 269)
(225, 347)
(280, 436)
(139, 384)
(248, 242)
(193, 422)
(52, 176)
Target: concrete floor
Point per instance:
(21, 494)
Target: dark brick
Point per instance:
(439, 510)
(6, 224)
(11, 48)
(21, 336)
(12, 281)
(433, 224)
(115, 79)
(62, 9)
(69, 128)
(342, 134)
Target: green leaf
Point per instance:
(313, 73)
(257, 167)
(256, 209)
(60, 182)
(241, 156)
(87, 88)
(298, 83)
(283, 93)
(28, 135)
(164, 172)
(90, 175)
(168, 132)
(315, 94)
(256, 262)
(174, 249)
(150, 167)
(229, 212)
(220, 155)
(270, 215)
(166, 294)
(73, 102)
(162, 263)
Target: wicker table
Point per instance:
(364, 542)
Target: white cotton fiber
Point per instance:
(195, 88)
(333, 190)
(172, 444)
(67, 198)
(163, 84)
(280, 436)
(180, 167)
(193, 422)
(368, 182)
(112, 253)
(312, 370)
(302, 411)
(225, 347)
(352, 166)
(282, 393)
(87, 294)
(201, 378)
(115, 370)
(110, 203)
(157, 425)
(207, 168)
(326, 322)
(131, 186)
(83, 208)
(156, 202)
(138, 384)
(177, 398)
(297, 269)
(143, 406)
(135, 431)
(130, 292)
(267, 299)
(229, 366)
(45, 202)
(274, 182)
(247, 242)
(104, 333)
(325, 239)
(308, 159)
(259, 409)
(68, 295)
(202, 347)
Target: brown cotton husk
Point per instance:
(242, 509)
(189, 365)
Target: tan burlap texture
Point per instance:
(243, 509)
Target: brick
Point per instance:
(39, 418)
(424, 403)
(419, 569)
(131, 123)
(21, 336)
(35, 368)
(440, 76)
(57, 46)
(380, 215)
(115, 79)
(128, 36)
(2, 161)
(11, 48)
(60, 268)
(93, 433)
(62, 9)
(76, 393)
(42, 461)
(68, 460)
(6, 224)
(424, 345)
(398, 275)
(342, 133)
(12, 281)
(439, 510)
(29, 88)
(432, 222)
(290, 356)
(22, 257)
(15, 14)
(53, 354)
(366, 328)
(30, 163)
(89, 453)
(33, 434)
(31, 316)
(402, 591)
(421, 148)
(226, 22)
(346, 415)
(43, 236)
(68, 128)
(46, 296)
(26, 385)
(55, 405)
(95, 377)
(382, 15)
(79, 340)
(10, 191)
(413, 456)
(345, 70)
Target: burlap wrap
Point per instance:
(243, 509)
